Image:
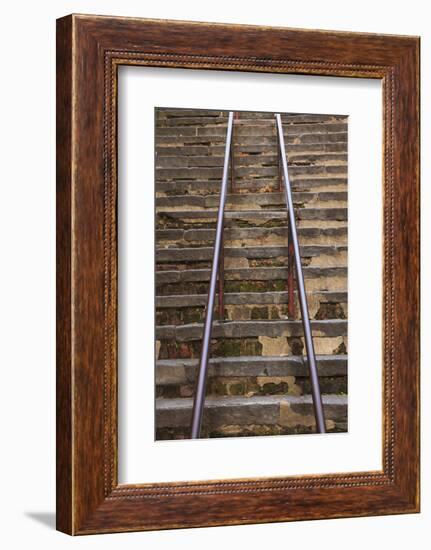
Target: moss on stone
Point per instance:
(296, 345)
(237, 388)
(275, 312)
(271, 388)
(330, 310)
(341, 350)
(259, 313)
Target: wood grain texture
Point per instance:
(90, 49)
(64, 288)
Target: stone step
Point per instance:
(184, 371)
(174, 112)
(247, 274)
(190, 138)
(243, 416)
(251, 311)
(257, 185)
(294, 151)
(244, 236)
(251, 201)
(259, 171)
(251, 376)
(179, 259)
(244, 298)
(251, 128)
(170, 117)
(185, 255)
(246, 306)
(241, 160)
(328, 281)
(187, 219)
(246, 329)
(262, 338)
(217, 117)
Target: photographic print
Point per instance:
(258, 379)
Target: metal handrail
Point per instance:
(291, 309)
(198, 404)
(315, 387)
(217, 271)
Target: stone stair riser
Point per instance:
(244, 298)
(249, 160)
(169, 174)
(183, 371)
(206, 219)
(172, 117)
(251, 201)
(331, 260)
(293, 150)
(330, 283)
(242, 130)
(317, 310)
(259, 346)
(255, 386)
(242, 416)
(247, 186)
(251, 236)
(190, 138)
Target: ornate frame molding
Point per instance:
(90, 49)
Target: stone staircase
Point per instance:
(258, 380)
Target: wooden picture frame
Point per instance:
(89, 52)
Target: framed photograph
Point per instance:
(237, 274)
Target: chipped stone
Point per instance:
(290, 381)
(291, 419)
(277, 346)
(236, 262)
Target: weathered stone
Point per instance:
(330, 260)
(171, 371)
(250, 274)
(328, 346)
(238, 313)
(332, 328)
(250, 298)
(279, 384)
(260, 410)
(292, 419)
(237, 257)
(330, 310)
(254, 236)
(235, 262)
(274, 346)
(296, 345)
(190, 156)
(259, 313)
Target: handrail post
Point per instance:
(198, 403)
(221, 281)
(315, 386)
(291, 309)
(280, 170)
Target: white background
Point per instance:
(141, 458)
(27, 124)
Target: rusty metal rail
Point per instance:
(311, 357)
